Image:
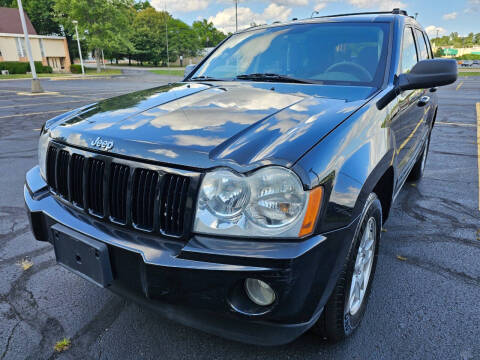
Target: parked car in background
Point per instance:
(248, 199)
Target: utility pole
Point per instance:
(166, 31)
(36, 87)
(236, 15)
(437, 33)
(75, 22)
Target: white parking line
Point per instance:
(52, 103)
(454, 124)
(35, 113)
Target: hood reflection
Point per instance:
(238, 124)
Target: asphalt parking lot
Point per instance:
(425, 298)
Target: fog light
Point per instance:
(259, 292)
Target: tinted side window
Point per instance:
(422, 46)
(409, 52)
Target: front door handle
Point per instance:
(423, 100)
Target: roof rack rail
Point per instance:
(395, 11)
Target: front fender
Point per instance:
(348, 163)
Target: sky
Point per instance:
(446, 16)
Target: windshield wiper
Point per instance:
(204, 78)
(272, 77)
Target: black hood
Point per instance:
(201, 125)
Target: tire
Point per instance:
(340, 318)
(417, 170)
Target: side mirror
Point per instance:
(429, 74)
(425, 74)
(189, 69)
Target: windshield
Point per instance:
(331, 53)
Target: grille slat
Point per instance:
(132, 196)
(145, 182)
(51, 166)
(76, 179)
(173, 204)
(95, 185)
(63, 160)
(118, 198)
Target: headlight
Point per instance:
(42, 151)
(269, 202)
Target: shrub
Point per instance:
(17, 67)
(14, 67)
(76, 69)
(468, 57)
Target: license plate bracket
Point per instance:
(82, 255)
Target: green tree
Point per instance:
(105, 23)
(182, 39)
(439, 52)
(141, 5)
(148, 35)
(207, 34)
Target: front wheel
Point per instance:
(345, 308)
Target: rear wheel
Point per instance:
(345, 308)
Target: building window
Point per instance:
(20, 47)
(42, 50)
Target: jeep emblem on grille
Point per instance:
(102, 144)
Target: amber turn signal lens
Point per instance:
(313, 208)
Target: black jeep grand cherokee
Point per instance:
(248, 199)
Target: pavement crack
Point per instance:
(10, 337)
(28, 254)
(441, 270)
(26, 309)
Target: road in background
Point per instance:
(424, 302)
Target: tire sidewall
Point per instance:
(372, 209)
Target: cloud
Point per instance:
(290, 2)
(450, 16)
(383, 5)
(181, 5)
(432, 31)
(319, 5)
(225, 19)
(473, 7)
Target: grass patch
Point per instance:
(469, 73)
(62, 345)
(173, 72)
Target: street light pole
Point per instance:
(36, 87)
(166, 32)
(75, 22)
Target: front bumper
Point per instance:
(199, 283)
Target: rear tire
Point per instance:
(345, 308)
